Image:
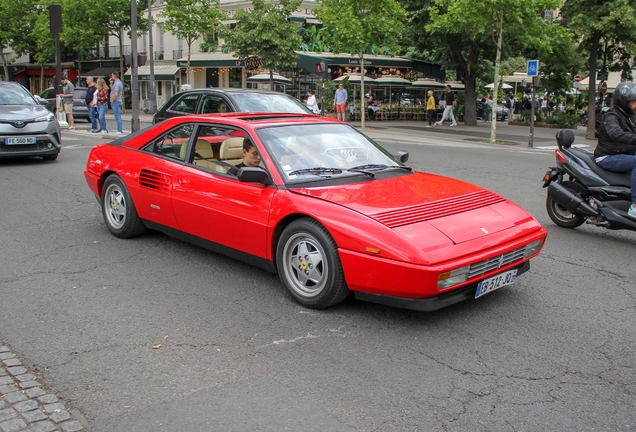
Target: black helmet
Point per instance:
(624, 93)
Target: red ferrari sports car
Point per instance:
(324, 206)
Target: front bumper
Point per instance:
(46, 144)
(432, 303)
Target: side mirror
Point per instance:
(40, 100)
(402, 156)
(254, 175)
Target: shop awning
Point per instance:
(162, 72)
(308, 61)
(26, 73)
(215, 59)
(101, 72)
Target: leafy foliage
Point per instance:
(188, 20)
(267, 34)
(359, 27)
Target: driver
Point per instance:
(616, 149)
(251, 157)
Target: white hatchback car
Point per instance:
(26, 127)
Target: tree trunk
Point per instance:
(362, 110)
(4, 64)
(495, 92)
(591, 99)
(41, 77)
(188, 70)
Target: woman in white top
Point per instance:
(312, 104)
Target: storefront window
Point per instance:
(236, 78)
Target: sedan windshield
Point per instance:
(15, 95)
(308, 151)
(259, 102)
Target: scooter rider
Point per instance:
(616, 149)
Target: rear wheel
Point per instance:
(562, 216)
(309, 265)
(119, 211)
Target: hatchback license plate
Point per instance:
(20, 140)
(496, 282)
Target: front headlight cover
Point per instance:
(47, 117)
(453, 277)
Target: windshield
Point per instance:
(15, 95)
(259, 102)
(305, 152)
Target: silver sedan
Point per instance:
(26, 127)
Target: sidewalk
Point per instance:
(506, 133)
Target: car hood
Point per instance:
(21, 112)
(413, 204)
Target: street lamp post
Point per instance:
(153, 92)
(134, 81)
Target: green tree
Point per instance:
(359, 27)
(599, 23)
(44, 43)
(188, 20)
(78, 36)
(18, 19)
(267, 34)
(115, 20)
(475, 27)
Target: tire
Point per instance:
(562, 216)
(309, 265)
(119, 211)
(51, 157)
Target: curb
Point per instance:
(25, 405)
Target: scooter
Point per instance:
(580, 191)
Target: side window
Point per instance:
(186, 104)
(174, 143)
(49, 94)
(213, 104)
(220, 149)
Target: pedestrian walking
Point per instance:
(116, 93)
(67, 95)
(102, 104)
(430, 108)
(450, 105)
(91, 89)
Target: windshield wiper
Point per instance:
(316, 170)
(369, 169)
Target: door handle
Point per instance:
(181, 180)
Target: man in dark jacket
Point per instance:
(616, 149)
(90, 91)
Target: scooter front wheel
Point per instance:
(561, 215)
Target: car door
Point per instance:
(157, 167)
(49, 95)
(218, 207)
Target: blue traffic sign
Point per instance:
(533, 68)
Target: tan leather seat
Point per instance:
(204, 150)
(232, 150)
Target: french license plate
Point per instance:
(20, 140)
(496, 282)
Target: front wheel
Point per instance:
(309, 265)
(119, 211)
(562, 216)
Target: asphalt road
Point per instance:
(555, 351)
